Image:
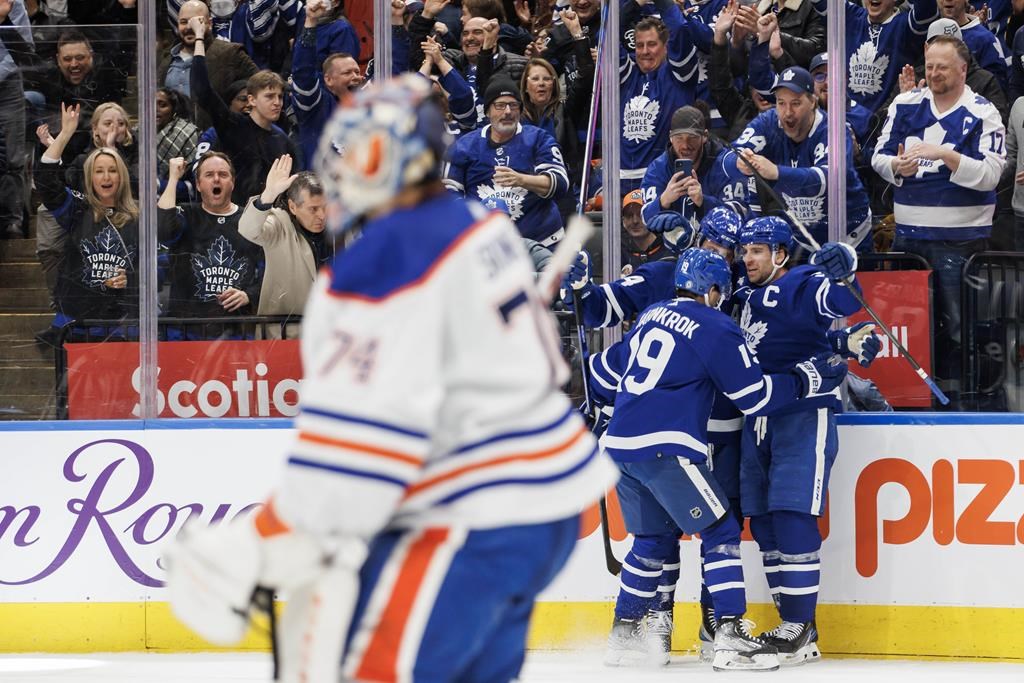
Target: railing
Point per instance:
(991, 311)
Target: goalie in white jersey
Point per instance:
(438, 473)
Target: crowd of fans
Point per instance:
(713, 93)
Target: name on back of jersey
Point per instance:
(671, 320)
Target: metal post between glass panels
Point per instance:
(146, 86)
(382, 39)
(610, 125)
(837, 119)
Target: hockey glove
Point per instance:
(857, 341)
(820, 375)
(838, 260)
(666, 221)
(576, 278)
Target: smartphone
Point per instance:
(684, 166)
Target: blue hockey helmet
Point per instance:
(770, 230)
(699, 270)
(722, 226)
(380, 140)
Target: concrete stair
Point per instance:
(26, 368)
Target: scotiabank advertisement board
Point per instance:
(196, 379)
(902, 300)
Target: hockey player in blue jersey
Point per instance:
(787, 457)
(660, 78)
(879, 41)
(435, 457)
(713, 179)
(664, 376)
(509, 160)
(788, 147)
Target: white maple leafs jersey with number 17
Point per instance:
(432, 385)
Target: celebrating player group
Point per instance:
(711, 421)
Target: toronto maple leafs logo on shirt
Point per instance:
(807, 209)
(934, 134)
(512, 196)
(753, 331)
(103, 256)
(867, 69)
(218, 269)
(639, 118)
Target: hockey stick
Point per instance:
(770, 191)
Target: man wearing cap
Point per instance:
(659, 78)
(878, 41)
(521, 165)
(943, 149)
(672, 196)
(788, 147)
(981, 81)
(639, 245)
(857, 116)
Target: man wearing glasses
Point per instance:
(521, 165)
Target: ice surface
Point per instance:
(541, 667)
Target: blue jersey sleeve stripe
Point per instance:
(344, 471)
(507, 436)
(320, 412)
(522, 481)
(598, 374)
(764, 401)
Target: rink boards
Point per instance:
(922, 553)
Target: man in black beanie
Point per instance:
(519, 164)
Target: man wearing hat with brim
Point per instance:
(672, 196)
(788, 147)
(639, 245)
(520, 165)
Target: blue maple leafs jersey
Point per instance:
(787, 321)
(648, 100)
(721, 184)
(936, 203)
(469, 171)
(876, 52)
(700, 25)
(803, 171)
(989, 50)
(664, 375)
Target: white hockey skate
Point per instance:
(659, 636)
(706, 635)
(797, 643)
(737, 650)
(627, 645)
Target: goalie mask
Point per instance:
(379, 141)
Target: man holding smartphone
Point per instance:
(689, 178)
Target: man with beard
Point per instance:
(251, 141)
(879, 43)
(226, 62)
(712, 181)
(315, 89)
(943, 149)
(788, 147)
(521, 165)
(214, 270)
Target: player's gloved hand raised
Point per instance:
(838, 260)
(666, 221)
(820, 375)
(857, 341)
(576, 278)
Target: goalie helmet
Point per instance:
(722, 226)
(379, 141)
(770, 230)
(700, 270)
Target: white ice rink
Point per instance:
(541, 667)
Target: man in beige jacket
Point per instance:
(293, 238)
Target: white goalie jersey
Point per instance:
(431, 392)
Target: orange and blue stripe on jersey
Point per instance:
(357, 446)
